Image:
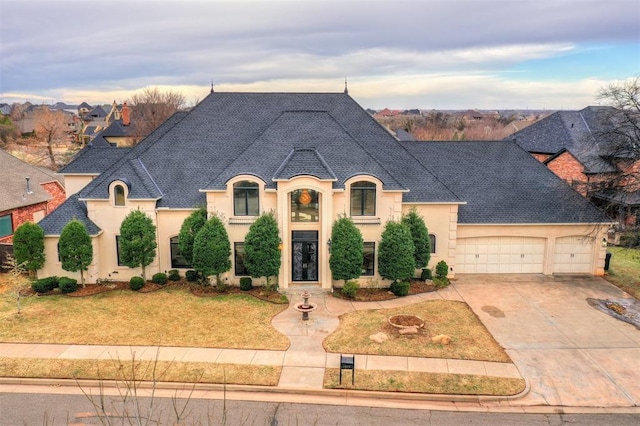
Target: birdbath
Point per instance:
(305, 307)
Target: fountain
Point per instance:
(305, 307)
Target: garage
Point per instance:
(573, 255)
(500, 255)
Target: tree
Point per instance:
(76, 250)
(51, 127)
(262, 248)
(153, 107)
(420, 237)
(28, 247)
(16, 281)
(347, 250)
(617, 139)
(395, 254)
(138, 241)
(212, 250)
(188, 232)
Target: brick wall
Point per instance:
(57, 192)
(541, 157)
(570, 170)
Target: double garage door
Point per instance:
(521, 255)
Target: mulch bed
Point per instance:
(417, 286)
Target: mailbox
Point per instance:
(348, 362)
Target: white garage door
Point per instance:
(500, 255)
(573, 255)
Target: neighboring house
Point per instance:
(311, 157)
(27, 194)
(113, 126)
(567, 143)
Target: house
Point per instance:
(311, 157)
(27, 194)
(569, 143)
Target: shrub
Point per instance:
(67, 285)
(45, 285)
(426, 274)
(400, 288)
(440, 282)
(442, 269)
(159, 278)
(136, 283)
(191, 276)
(350, 289)
(630, 239)
(246, 283)
(174, 275)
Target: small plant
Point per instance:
(246, 283)
(45, 285)
(440, 282)
(191, 276)
(442, 269)
(426, 274)
(174, 275)
(136, 283)
(350, 289)
(400, 288)
(67, 285)
(159, 278)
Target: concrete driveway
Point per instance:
(571, 353)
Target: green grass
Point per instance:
(624, 270)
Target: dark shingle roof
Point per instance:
(72, 208)
(94, 159)
(304, 161)
(502, 183)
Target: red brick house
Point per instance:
(27, 194)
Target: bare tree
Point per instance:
(617, 141)
(152, 107)
(51, 128)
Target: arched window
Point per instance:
(245, 199)
(432, 241)
(118, 195)
(363, 199)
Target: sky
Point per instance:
(400, 54)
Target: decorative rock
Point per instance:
(378, 337)
(443, 339)
(408, 330)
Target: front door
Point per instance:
(304, 255)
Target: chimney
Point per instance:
(126, 115)
(29, 191)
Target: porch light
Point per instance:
(305, 197)
(329, 244)
(604, 242)
(280, 245)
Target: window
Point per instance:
(238, 250)
(177, 259)
(369, 258)
(245, 199)
(363, 199)
(432, 241)
(120, 262)
(304, 205)
(6, 225)
(118, 195)
(58, 247)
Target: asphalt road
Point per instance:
(53, 410)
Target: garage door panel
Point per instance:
(506, 255)
(574, 255)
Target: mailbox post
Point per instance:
(348, 362)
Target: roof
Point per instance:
(13, 191)
(501, 183)
(93, 159)
(574, 131)
(72, 208)
(228, 134)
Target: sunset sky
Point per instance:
(442, 54)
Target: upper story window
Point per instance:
(363, 199)
(118, 195)
(246, 198)
(304, 205)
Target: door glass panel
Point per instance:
(304, 256)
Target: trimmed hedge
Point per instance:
(67, 285)
(174, 275)
(426, 274)
(191, 276)
(136, 283)
(246, 283)
(45, 285)
(400, 288)
(159, 278)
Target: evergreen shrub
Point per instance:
(136, 283)
(67, 285)
(159, 278)
(45, 285)
(246, 283)
(400, 288)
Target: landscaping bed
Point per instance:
(417, 286)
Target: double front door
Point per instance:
(304, 255)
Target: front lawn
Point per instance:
(624, 270)
(168, 317)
